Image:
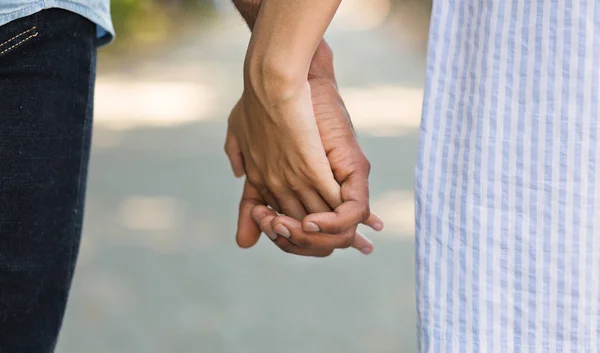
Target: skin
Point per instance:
(297, 148)
(273, 121)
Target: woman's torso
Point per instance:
(507, 184)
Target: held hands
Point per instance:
(296, 147)
(282, 152)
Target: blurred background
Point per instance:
(159, 270)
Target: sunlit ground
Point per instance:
(159, 270)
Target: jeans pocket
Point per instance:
(16, 40)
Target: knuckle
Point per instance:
(265, 225)
(294, 184)
(347, 241)
(285, 246)
(311, 171)
(254, 177)
(229, 151)
(335, 228)
(287, 249)
(273, 182)
(325, 253)
(368, 166)
(364, 212)
(303, 242)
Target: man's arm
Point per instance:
(249, 10)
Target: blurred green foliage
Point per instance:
(143, 22)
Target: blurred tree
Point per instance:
(143, 22)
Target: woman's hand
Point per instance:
(274, 122)
(284, 158)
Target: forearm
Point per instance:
(285, 37)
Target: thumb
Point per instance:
(248, 231)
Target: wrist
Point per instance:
(273, 79)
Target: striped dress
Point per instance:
(508, 178)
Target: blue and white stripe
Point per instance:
(507, 191)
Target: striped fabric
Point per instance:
(507, 191)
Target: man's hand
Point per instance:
(255, 216)
(350, 168)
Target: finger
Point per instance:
(291, 229)
(312, 201)
(316, 204)
(236, 158)
(362, 243)
(309, 223)
(248, 231)
(263, 216)
(374, 222)
(271, 200)
(348, 215)
(290, 204)
(328, 188)
(286, 246)
(260, 211)
(322, 179)
(354, 209)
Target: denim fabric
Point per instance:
(97, 11)
(47, 72)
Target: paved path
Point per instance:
(159, 270)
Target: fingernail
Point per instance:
(271, 235)
(311, 227)
(257, 217)
(263, 214)
(282, 230)
(366, 251)
(378, 226)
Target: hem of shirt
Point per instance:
(435, 341)
(105, 30)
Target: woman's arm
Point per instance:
(284, 40)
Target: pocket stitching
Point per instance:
(18, 35)
(18, 43)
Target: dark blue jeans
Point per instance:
(47, 72)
